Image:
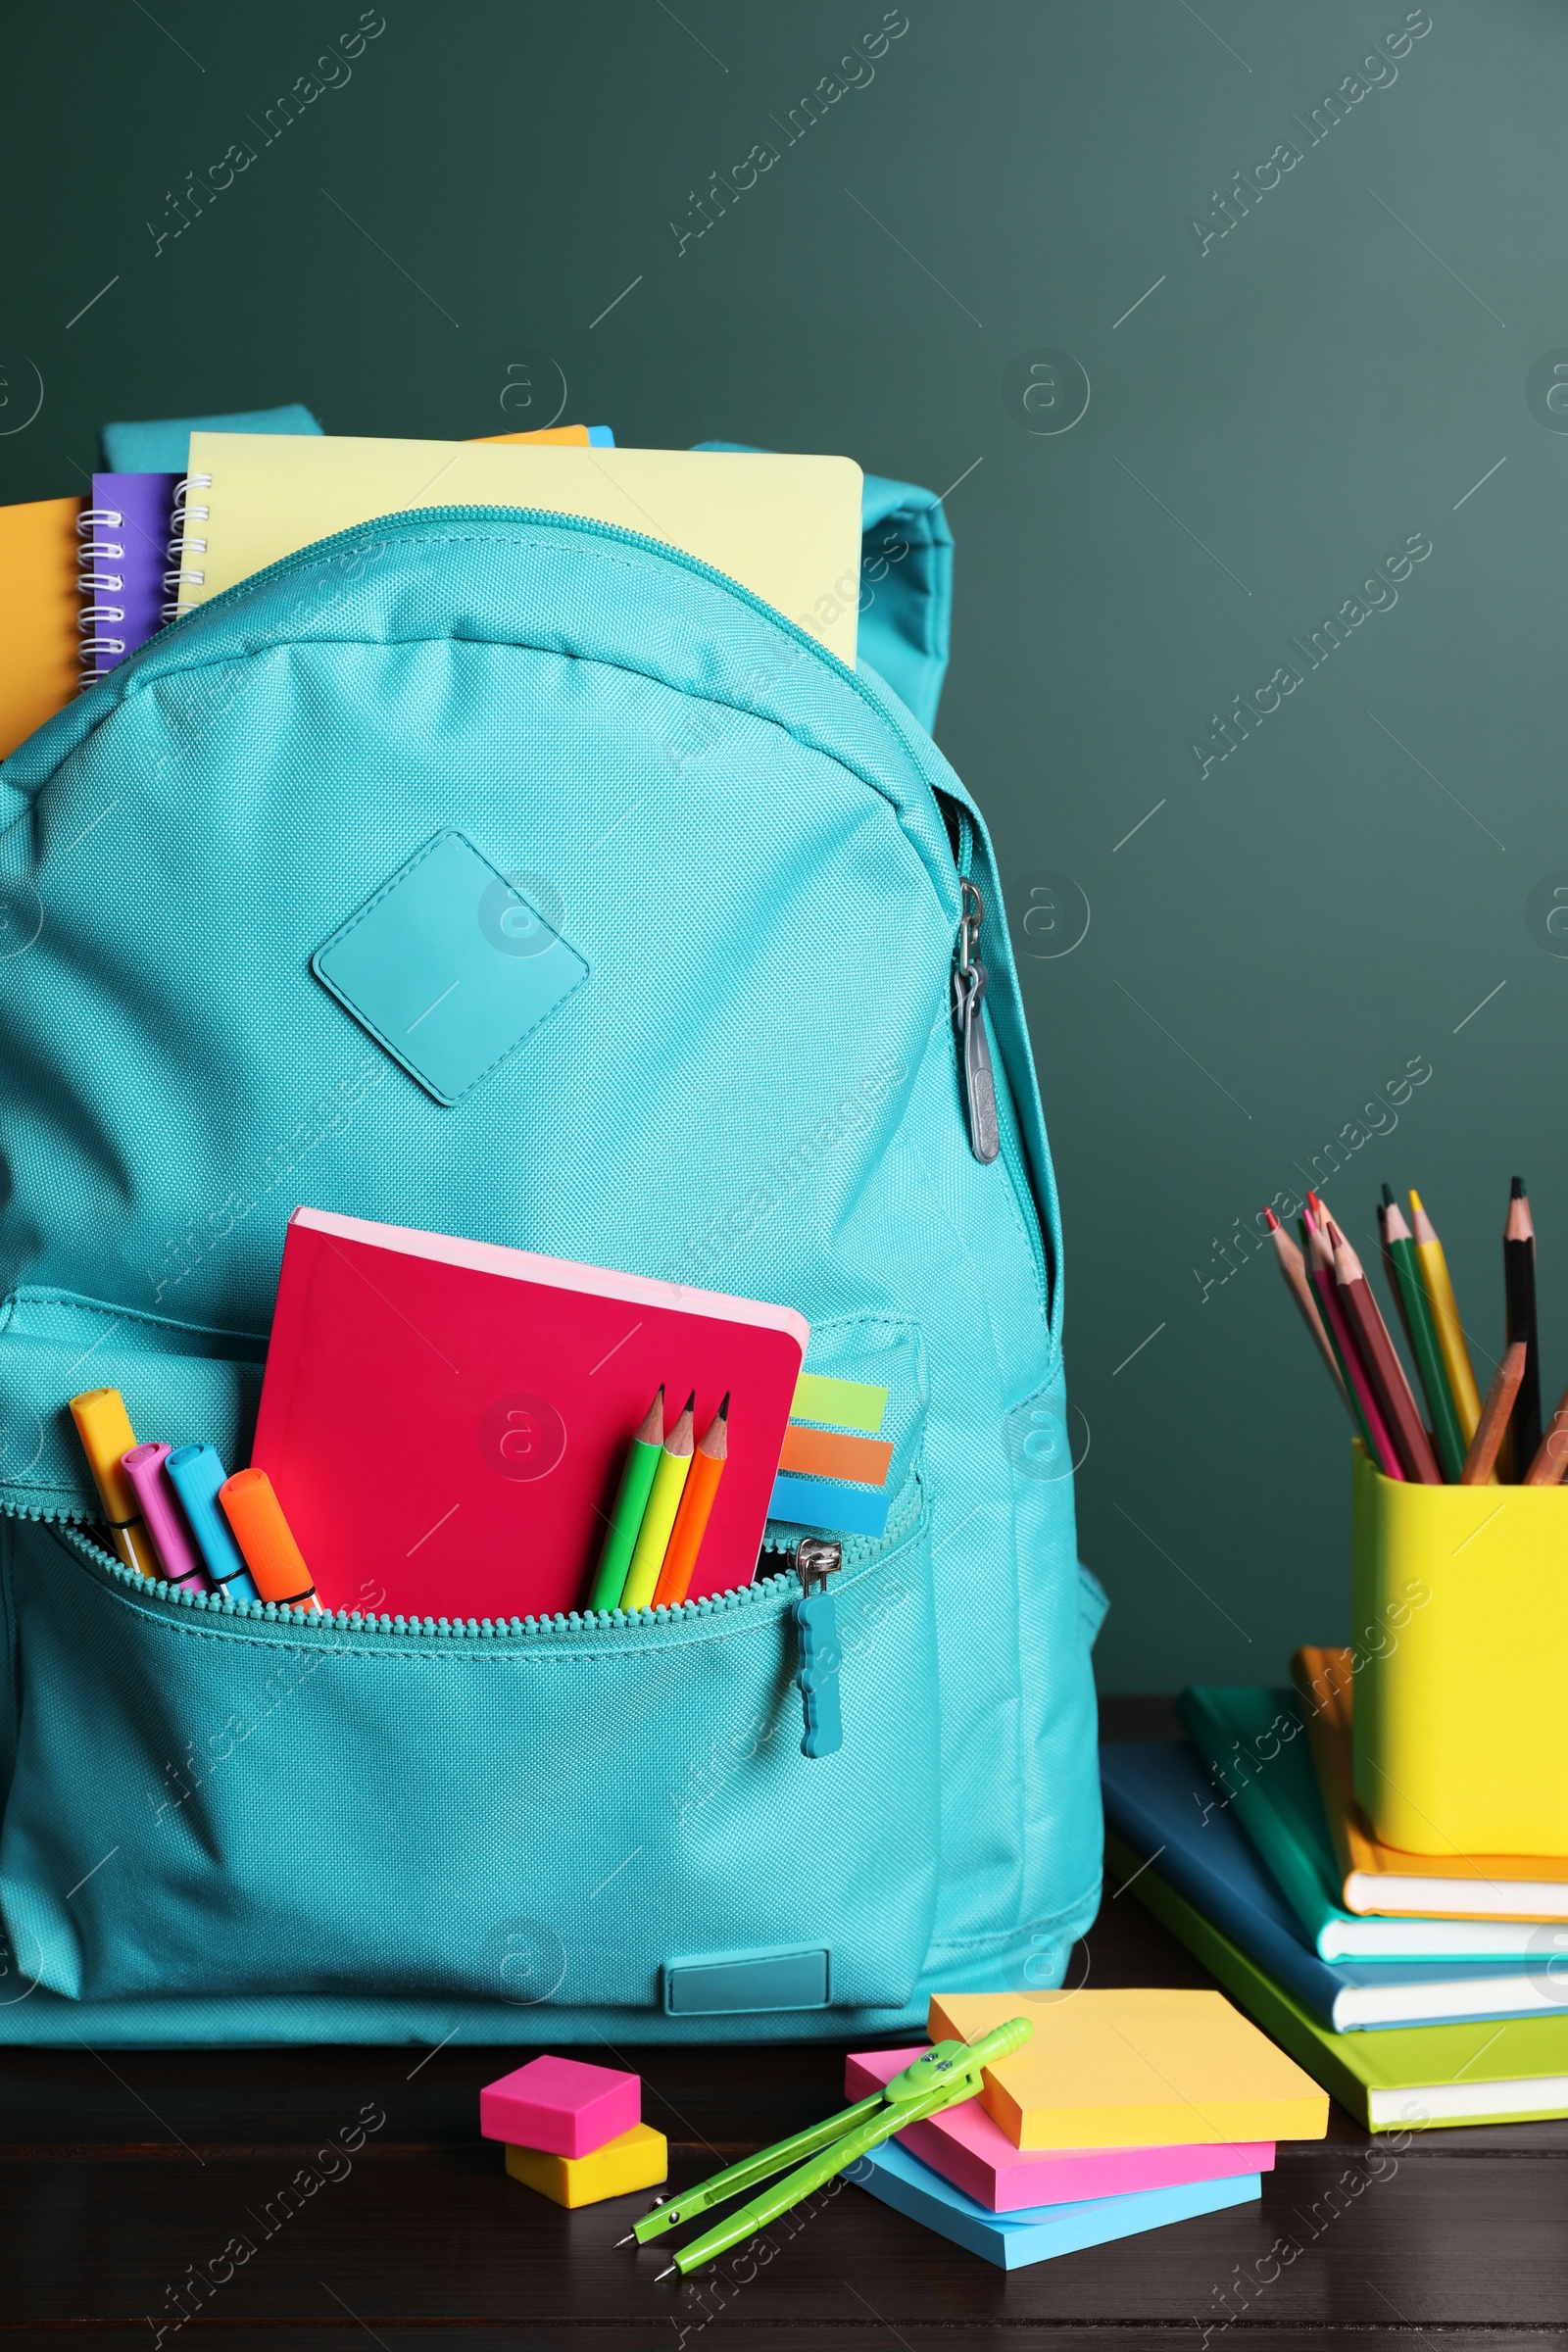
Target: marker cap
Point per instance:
(178, 1557)
(197, 1473)
(266, 1540)
(107, 1437)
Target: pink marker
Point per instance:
(144, 1467)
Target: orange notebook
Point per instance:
(1379, 1879)
(38, 605)
(446, 1422)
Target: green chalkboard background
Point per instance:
(1285, 388)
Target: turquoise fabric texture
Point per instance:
(162, 444)
(223, 1826)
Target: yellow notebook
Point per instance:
(1138, 2069)
(1380, 1879)
(38, 605)
(786, 527)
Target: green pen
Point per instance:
(1422, 1331)
(626, 1519)
(941, 2077)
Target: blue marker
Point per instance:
(197, 1473)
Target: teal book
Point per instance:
(1255, 1748)
(1037, 2232)
(1406, 2079)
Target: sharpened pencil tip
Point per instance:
(723, 1410)
(689, 1405)
(1273, 1222)
(1516, 1190)
(1388, 1196)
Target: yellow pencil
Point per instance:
(663, 1501)
(1445, 1318)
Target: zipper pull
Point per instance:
(816, 1621)
(974, 1050)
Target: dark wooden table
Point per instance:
(124, 2174)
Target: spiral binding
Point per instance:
(92, 582)
(180, 545)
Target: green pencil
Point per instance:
(626, 1519)
(1423, 1336)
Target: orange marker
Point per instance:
(263, 1536)
(691, 1520)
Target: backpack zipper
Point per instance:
(775, 1578)
(990, 1135)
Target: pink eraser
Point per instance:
(562, 2106)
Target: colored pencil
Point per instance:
(1380, 1445)
(1293, 1265)
(1327, 1328)
(658, 1519)
(1482, 1459)
(631, 1501)
(1389, 1274)
(1446, 1319)
(1552, 1455)
(1385, 1372)
(696, 1502)
(1405, 1276)
(1519, 1278)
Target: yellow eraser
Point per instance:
(638, 2159)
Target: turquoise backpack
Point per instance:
(226, 1825)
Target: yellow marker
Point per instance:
(104, 1427)
(1446, 1317)
(638, 2159)
(663, 1501)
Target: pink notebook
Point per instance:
(976, 2155)
(445, 1421)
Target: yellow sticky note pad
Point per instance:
(1142, 2068)
(638, 2159)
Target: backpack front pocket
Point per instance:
(219, 1800)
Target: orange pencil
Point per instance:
(691, 1520)
(1482, 1459)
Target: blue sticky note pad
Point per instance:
(1037, 2232)
(450, 967)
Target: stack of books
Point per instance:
(1124, 2111)
(1420, 1989)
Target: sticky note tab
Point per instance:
(823, 1454)
(827, 1504)
(846, 1403)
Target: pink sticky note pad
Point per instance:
(562, 2106)
(967, 2148)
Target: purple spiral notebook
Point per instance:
(123, 557)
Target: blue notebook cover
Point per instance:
(1161, 1803)
(1036, 2233)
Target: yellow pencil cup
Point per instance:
(1461, 1655)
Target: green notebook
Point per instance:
(1267, 1776)
(1404, 2079)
